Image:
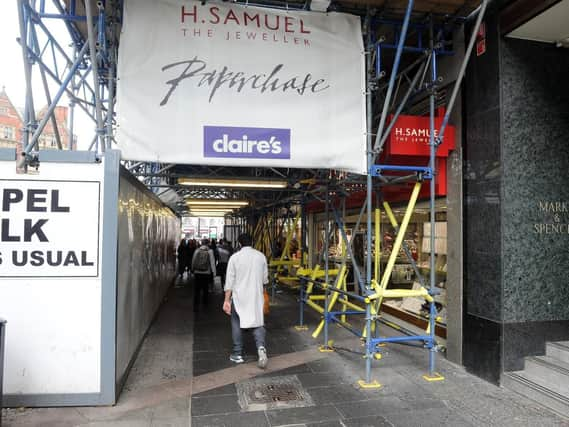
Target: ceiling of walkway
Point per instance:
(550, 25)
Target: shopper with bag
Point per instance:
(247, 272)
(203, 267)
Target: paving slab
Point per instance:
(427, 418)
(247, 419)
(338, 393)
(171, 422)
(367, 408)
(213, 405)
(285, 417)
(374, 421)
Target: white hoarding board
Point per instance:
(227, 84)
(49, 228)
(50, 280)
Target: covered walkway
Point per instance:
(182, 377)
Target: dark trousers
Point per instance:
(183, 265)
(222, 271)
(201, 287)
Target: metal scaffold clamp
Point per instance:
(424, 172)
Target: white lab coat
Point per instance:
(246, 273)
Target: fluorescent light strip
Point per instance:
(206, 213)
(232, 183)
(216, 202)
(211, 209)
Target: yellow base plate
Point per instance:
(373, 384)
(325, 349)
(381, 344)
(301, 328)
(432, 378)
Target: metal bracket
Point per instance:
(378, 170)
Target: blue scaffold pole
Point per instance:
(432, 143)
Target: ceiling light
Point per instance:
(208, 213)
(210, 209)
(216, 202)
(237, 183)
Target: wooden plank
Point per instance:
(420, 322)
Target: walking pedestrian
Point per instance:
(224, 255)
(184, 256)
(247, 272)
(203, 267)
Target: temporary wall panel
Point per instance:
(50, 280)
(228, 84)
(86, 256)
(148, 233)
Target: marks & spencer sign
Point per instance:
(49, 228)
(228, 84)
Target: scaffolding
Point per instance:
(373, 288)
(87, 75)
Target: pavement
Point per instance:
(182, 376)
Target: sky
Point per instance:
(12, 70)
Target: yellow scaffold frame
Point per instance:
(278, 265)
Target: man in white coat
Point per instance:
(246, 273)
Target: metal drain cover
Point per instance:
(261, 394)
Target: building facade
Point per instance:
(10, 122)
(11, 126)
(516, 159)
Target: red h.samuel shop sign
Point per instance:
(411, 137)
(408, 144)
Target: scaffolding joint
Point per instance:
(435, 291)
(30, 160)
(379, 170)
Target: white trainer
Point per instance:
(263, 359)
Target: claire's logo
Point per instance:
(246, 143)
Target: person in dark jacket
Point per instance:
(184, 256)
(203, 267)
(224, 253)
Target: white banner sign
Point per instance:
(49, 228)
(227, 84)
